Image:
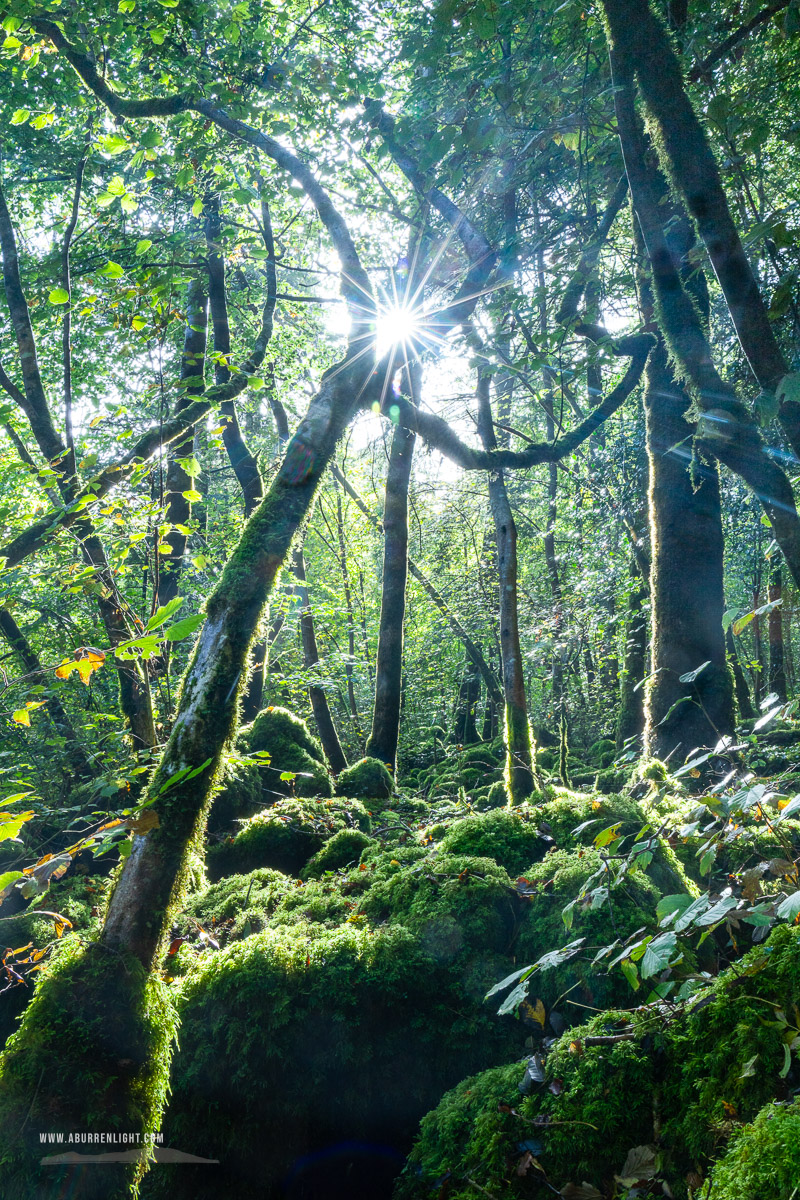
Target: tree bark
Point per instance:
(179, 481)
(777, 657)
(742, 691)
(319, 701)
(520, 778)
(630, 721)
(384, 736)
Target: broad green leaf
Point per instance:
(142, 247)
(20, 116)
(788, 909)
(184, 628)
(59, 296)
(162, 614)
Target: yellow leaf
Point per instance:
(148, 820)
(21, 717)
(66, 669)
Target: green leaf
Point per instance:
(20, 116)
(657, 954)
(59, 296)
(126, 6)
(192, 496)
(158, 34)
(9, 877)
(162, 614)
(142, 247)
(184, 628)
(670, 906)
(789, 387)
(789, 908)
(629, 971)
(190, 465)
(112, 270)
(197, 207)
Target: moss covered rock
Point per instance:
(236, 906)
(350, 1030)
(368, 778)
(343, 849)
(510, 836)
(485, 1133)
(292, 748)
(763, 1160)
(285, 836)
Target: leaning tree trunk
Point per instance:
(384, 736)
(107, 995)
(777, 657)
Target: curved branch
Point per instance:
(355, 283)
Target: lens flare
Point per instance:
(395, 327)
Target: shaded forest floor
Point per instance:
(332, 962)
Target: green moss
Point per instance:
(100, 1030)
(558, 879)
(285, 836)
(468, 1136)
(708, 1052)
(763, 1159)
(344, 848)
(496, 796)
(602, 752)
(292, 749)
(366, 778)
(458, 905)
(353, 1032)
(225, 909)
(481, 1131)
(509, 836)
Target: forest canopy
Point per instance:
(399, 562)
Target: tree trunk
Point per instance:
(630, 721)
(686, 581)
(743, 701)
(384, 736)
(107, 995)
(351, 617)
(520, 778)
(179, 480)
(777, 658)
(465, 731)
(319, 701)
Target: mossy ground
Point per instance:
(330, 985)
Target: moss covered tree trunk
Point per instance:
(385, 732)
(686, 580)
(630, 722)
(777, 656)
(94, 1044)
(743, 700)
(519, 749)
(639, 35)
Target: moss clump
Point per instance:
(344, 848)
(654, 769)
(763, 1159)
(510, 836)
(292, 749)
(236, 904)
(496, 796)
(709, 1051)
(557, 880)
(353, 1032)
(602, 752)
(483, 1130)
(100, 1030)
(367, 778)
(285, 836)
(459, 906)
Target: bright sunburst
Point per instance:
(397, 327)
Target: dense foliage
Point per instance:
(399, 559)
